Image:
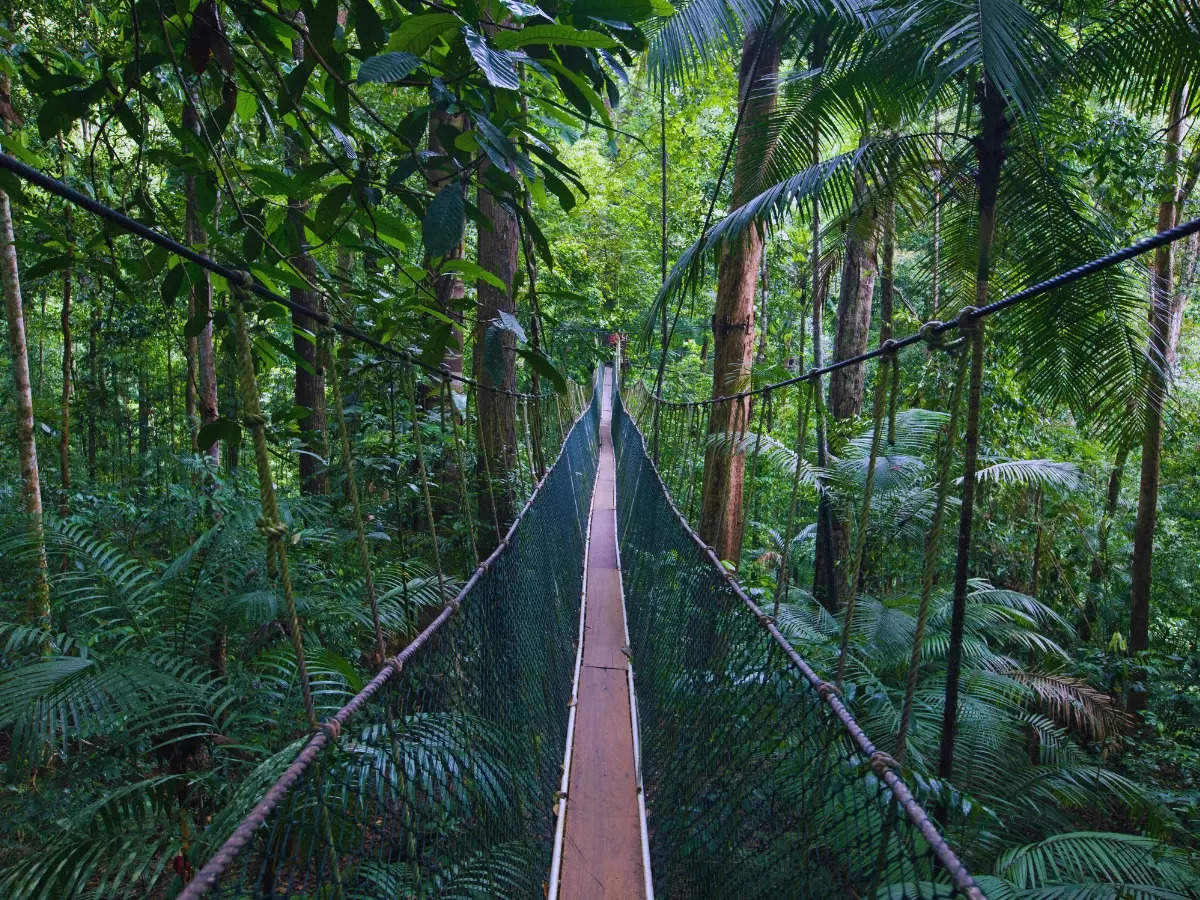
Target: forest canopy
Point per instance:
(249, 462)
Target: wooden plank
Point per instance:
(602, 847)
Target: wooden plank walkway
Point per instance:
(603, 842)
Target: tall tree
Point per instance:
(310, 374)
(1161, 302)
(721, 519)
(494, 356)
(855, 300)
(37, 605)
(200, 305)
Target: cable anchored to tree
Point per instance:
(931, 331)
(230, 274)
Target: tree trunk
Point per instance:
(1160, 330)
(494, 366)
(201, 303)
(309, 392)
(37, 605)
(143, 398)
(721, 520)
(93, 388)
(449, 289)
(990, 151)
(1185, 281)
(64, 427)
(760, 357)
(859, 268)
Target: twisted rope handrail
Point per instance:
(328, 731)
(235, 276)
(883, 765)
(933, 332)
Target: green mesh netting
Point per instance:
(756, 784)
(441, 779)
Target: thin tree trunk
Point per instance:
(721, 519)
(64, 426)
(990, 152)
(448, 288)
(94, 393)
(1160, 329)
(859, 269)
(760, 358)
(310, 375)
(201, 304)
(494, 363)
(37, 604)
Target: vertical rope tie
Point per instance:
(464, 494)
(932, 538)
(785, 573)
(424, 473)
(864, 516)
(269, 523)
(360, 531)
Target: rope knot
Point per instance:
(242, 280)
(967, 319)
(889, 346)
(765, 619)
(825, 688)
(881, 762)
(333, 728)
(254, 420)
(931, 334)
(397, 665)
(273, 530)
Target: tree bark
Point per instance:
(313, 458)
(990, 152)
(721, 519)
(1162, 299)
(64, 426)
(201, 304)
(859, 269)
(449, 289)
(494, 365)
(760, 356)
(37, 605)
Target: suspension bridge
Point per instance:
(600, 711)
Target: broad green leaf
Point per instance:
(497, 66)
(387, 67)
(417, 33)
(171, 285)
(194, 326)
(472, 271)
(544, 367)
(330, 206)
(220, 430)
(563, 35)
(442, 229)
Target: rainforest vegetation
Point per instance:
(498, 195)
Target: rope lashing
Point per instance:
(881, 763)
(864, 516)
(971, 323)
(360, 531)
(269, 522)
(785, 569)
(932, 538)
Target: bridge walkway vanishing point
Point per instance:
(604, 846)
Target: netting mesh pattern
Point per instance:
(756, 785)
(442, 781)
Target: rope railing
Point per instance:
(440, 774)
(933, 332)
(235, 277)
(759, 781)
